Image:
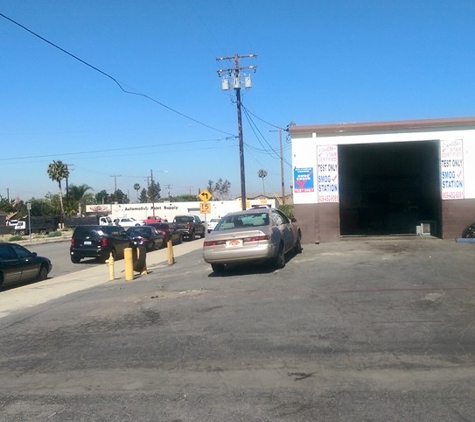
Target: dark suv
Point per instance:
(98, 242)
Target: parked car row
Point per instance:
(96, 241)
(240, 237)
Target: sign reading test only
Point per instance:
(327, 173)
(451, 169)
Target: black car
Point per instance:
(169, 232)
(98, 242)
(146, 236)
(18, 264)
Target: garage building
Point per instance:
(385, 178)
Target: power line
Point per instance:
(107, 75)
(108, 151)
(262, 120)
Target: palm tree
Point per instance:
(137, 188)
(81, 197)
(262, 174)
(58, 171)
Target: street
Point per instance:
(359, 330)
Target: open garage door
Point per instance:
(389, 188)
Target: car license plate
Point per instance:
(87, 242)
(234, 243)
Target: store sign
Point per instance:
(451, 169)
(327, 173)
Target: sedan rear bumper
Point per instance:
(222, 255)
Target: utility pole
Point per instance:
(234, 75)
(152, 193)
(169, 187)
(281, 164)
(115, 176)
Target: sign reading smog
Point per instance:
(327, 173)
(451, 169)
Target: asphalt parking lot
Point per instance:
(359, 330)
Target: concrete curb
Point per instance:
(40, 292)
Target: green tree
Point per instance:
(6, 205)
(137, 188)
(57, 171)
(102, 197)
(49, 205)
(262, 174)
(184, 198)
(79, 197)
(154, 191)
(119, 197)
(143, 196)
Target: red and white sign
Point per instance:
(451, 169)
(327, 173)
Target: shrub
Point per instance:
(287, 209)
(15, 238)
(57, 233)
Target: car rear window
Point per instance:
(243, 220)
(184, 219)
(82, 231)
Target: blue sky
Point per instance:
(319, 62)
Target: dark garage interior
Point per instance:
(389, 188)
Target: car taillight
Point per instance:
(72, 242)
(164, 233)
(214, 242)
(104, 242)
(256, 238)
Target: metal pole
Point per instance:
(241, 150)
(152, 193)
(282, 167)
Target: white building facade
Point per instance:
(384, 178)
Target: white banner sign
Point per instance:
(451, 169)
(327, 173)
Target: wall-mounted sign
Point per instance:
(303, 180)
(451, 169)
(327, 173)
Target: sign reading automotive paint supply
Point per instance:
(327, 173)
(451, 169)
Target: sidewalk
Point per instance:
(40, 292)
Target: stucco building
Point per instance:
(384, 178)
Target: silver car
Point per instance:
(262, 234)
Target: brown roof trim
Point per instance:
(403, 125)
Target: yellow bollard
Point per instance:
(171, 257)
(111, 261)
(129, 264)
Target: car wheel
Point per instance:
(43, 274)
(191, 236)
(180, 239)
(298, 246)
(218, 268)
(1, 279)
(75, 259)
(469, 232)
(202, 235)
(279, 260)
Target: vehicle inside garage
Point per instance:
(389, 188)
